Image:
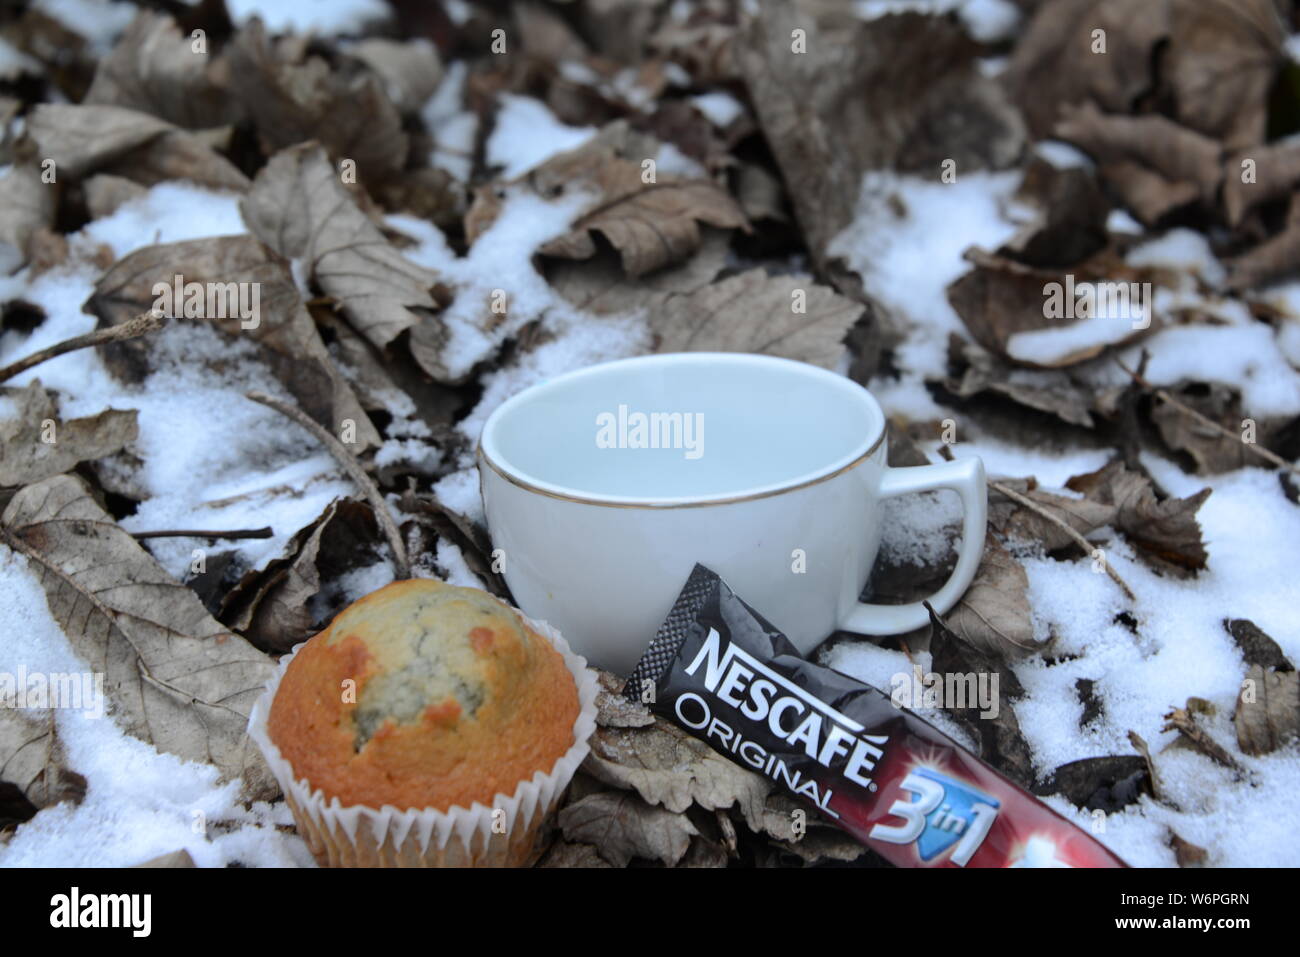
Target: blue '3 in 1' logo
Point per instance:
(943, 813)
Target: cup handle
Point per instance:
(966, 478)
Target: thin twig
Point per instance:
(145, 322)
(1087, 546)
(1164, 396)
(234, 533)
(350, 465)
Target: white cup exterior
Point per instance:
(604, 564)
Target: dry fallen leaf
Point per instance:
(1000, 300)
(1268, 710)
(298, 207)
(35, 444)
(651, 224)
(600, 286)
(289, 341)
(1055, 62)
(993, 614)
(85, 139)
(1165, 533)
(622, 827)
(789, 316)
(269, 606)
(1001, 742)
(32, 757)
(292, 99)
(1223, 58)
(1051, 391)
(175, 678)
(864, 97)
(26, 205)
(673, 770)
(156, 69)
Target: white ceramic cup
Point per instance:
(772, 475)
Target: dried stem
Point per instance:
(141, 324)
(1026, 502)
(234, 533)
(350, 465)
(1164, 396)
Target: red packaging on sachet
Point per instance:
(720, 671)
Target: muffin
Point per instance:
(427, 725)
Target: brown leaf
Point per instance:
(1256, 646)
(1186, 853)
(1177, 154)
(1050, 391)
(292, 99)
(1276, 173)
(755, 312)
(1273, 259)
(85, 139)
(866, 96)
(614, 709)
(1268, 710)
(175, 677)
(1210, 450)
(1069, 224)
(32, 757)
(409, 70)
(1183, 720)
(1053, 63)
(26, 205)
(155, 69)
(673, 770)
(569, 854)
(1023, 524)
(993, 614)
(289, 341)
(1166, 533)
(298, 207)
(1001, 742)
(1108, 783)
(1000, 299)
(105, 192)
(621, 826)
(651, 225)
(600, 286)
(37, 444)
(1222, 61)
(269, 607)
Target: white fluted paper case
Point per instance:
(361, 836)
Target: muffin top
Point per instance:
(423, 694)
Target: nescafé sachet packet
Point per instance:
(913, 795)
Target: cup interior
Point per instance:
(685, 427)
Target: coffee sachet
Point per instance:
(904, 789)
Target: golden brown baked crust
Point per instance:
(454, 700)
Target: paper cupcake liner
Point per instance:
(478, 836)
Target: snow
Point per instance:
(14, 62)
(139, 803)
(527, 134)
(1048, 346)
(908, 251)
(499, 267)
(459, 491)
(719, 107)
(323, 17)
(985, 20)
(453, 127)
(101, 22)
